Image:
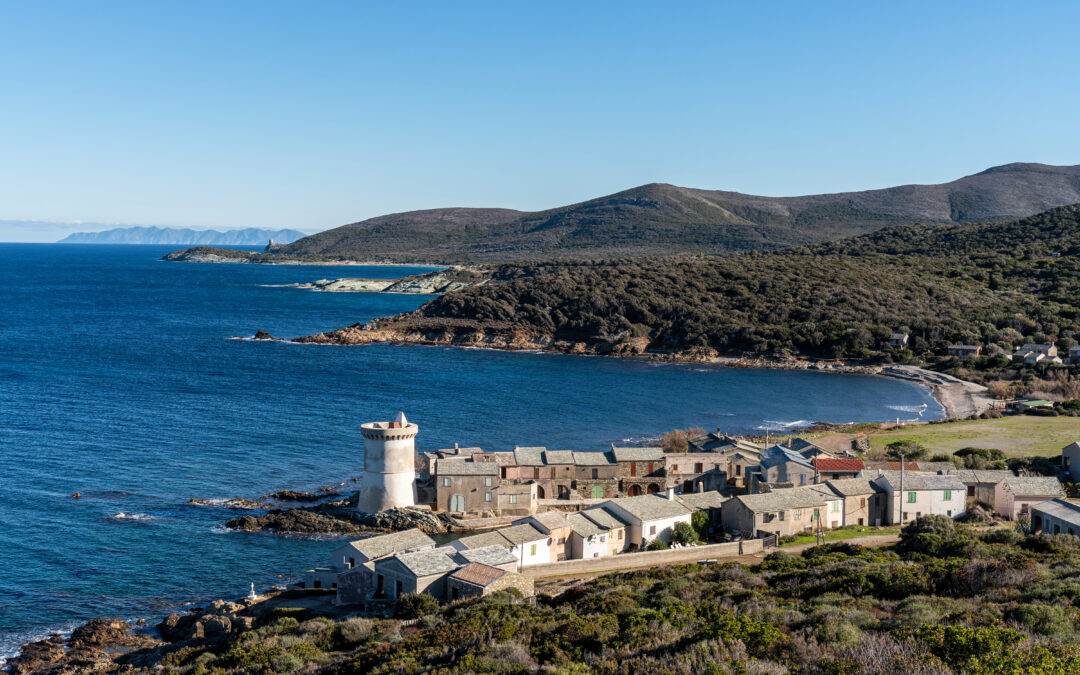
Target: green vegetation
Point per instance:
(1014, 436)
(946, 599)
(840, 534)
(996, 285)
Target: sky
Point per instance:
(310, 115)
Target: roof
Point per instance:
(649, 507)
(497, 554)
(1034, 485)
(385, 544)
(774, 455)
(499, 458)
(478, 574)
(831, 464)
(592, 459)
(558, 457)
(784, 499)
(718, 442)
(583, 526)
(936, 467)
(460, 467)
(426, 563)
(603, 518)
(805, 447)
(533, 456)
(484, 540)
(699, 501)
(521, 534)
(851, 487)
(918, 480)
(1060, 508)
(644, 454)
(982, 476)
(551, 520)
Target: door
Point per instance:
(457, 503)
(597, 492)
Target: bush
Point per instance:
(700, 522)
(1044, 619)
(297, 614)
(657, 545)
(354, 631)
(685, 534)
(1003, 535)
(415, 605)
(287, 663)
(933, 535)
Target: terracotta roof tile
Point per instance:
(830, 464)
(478, 574)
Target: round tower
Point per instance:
(389, 465)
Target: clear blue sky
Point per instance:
(314, 114)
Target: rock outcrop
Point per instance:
(342, 519)
(96, 647)
(431, 283)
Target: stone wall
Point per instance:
(644, 559)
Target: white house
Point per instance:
(1014, 496)
(1057, 516)
(614, 527)
(649, 516)
(587, 540)
(922, 494)
(529, 545)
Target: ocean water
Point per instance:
(118, 381)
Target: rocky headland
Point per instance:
(341, 517)
(430, 283)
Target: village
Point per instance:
(548, 513)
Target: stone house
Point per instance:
(694, 472)
(898, 340)
(596, 475)
(861, 502)
(807, 449)
(587, 539)
(741, 465)
(640, 470)
(1033, 353)
(649, 517)
(465, 486)
(361, 551)
(1070, 461)
(557, 528)
(921, 494)
(515, 499)
(1056, 516)
(416, 572)
(783, 512)
(477, 579)
(781, 466)
(616, 528)
(835, 468)
(963, 351)
(1074, 354)
(980, 484)
(1014, 496)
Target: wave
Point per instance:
(920, 409)
(138, 517)
(776, 425)
(11, 642)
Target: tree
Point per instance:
(685, 534)
(415, 606)
(678, 440)
(908, 449)
(934, 535)
(700, 522)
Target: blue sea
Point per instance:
(118, 382)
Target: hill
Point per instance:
(661, 219)
(993, 284)
(183, 236)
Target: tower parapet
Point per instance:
(389, 477)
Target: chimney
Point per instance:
(671, 493)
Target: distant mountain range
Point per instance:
(659, 219)
(183, 236)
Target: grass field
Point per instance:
(846, 532)
(1016, 436)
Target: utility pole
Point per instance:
(901, 488)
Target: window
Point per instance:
(620, 535)
(948, 513)
(446, 481)
(674, 468)
(633, 468)
(802, 479)
(513, 499)
(911, 497)
(595, 474)
(699, 467)
(650, 467)
(781, 515)
(798, 515)
(836, 507)
(862, 504)
(905, 515)
(948, 496)
(652, 530)
(487, 496)
(487, 481)
(532, 549)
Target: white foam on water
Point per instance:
(920, 409)
(776, 425)
(132, 516)
(10, 643)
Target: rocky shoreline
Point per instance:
(447, 280)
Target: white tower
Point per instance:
(389, 465)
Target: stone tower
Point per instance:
(389, 465)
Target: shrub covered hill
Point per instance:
(978, 283)
(661, 219)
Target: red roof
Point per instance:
(478, 574)
(839, 464)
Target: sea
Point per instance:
(119, 381)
